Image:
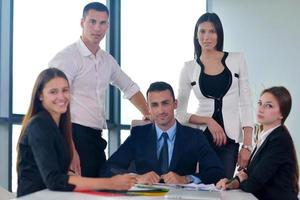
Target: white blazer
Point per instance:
(237, 104)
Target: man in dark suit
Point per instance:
(165, 150)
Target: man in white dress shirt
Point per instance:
(90, 70)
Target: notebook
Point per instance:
(188, 194)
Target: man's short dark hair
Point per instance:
(160, 86)
(94, 6)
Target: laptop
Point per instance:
(192, 194)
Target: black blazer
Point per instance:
(44, 157)
(190, 147)
(271, 169)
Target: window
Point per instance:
(156, 39)
(38, 35)
(16, 132)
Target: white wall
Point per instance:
(268, 32)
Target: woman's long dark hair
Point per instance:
(284, 100)
(215, 20)
(36, 106)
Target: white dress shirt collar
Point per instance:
(84, 50)
(171, 132)
(264, 134)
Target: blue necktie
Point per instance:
(164, 155)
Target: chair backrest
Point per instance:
(139, 122)
(5, 194)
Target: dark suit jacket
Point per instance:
(44, 157)
(271, 169)
(190, 147)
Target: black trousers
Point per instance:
(90, 146)
(228, 153)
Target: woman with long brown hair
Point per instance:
(273, 171)
(45, 146)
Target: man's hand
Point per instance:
(173, 178)
(148, 178)
(147, 117)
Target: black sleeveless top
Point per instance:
(215, 87)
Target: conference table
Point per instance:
(54, 195)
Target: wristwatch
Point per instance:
(247, 147)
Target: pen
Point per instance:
(235, 178)
(230, 180)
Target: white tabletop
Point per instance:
(53, 195)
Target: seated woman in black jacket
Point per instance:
(45, 146)
(273, 171)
